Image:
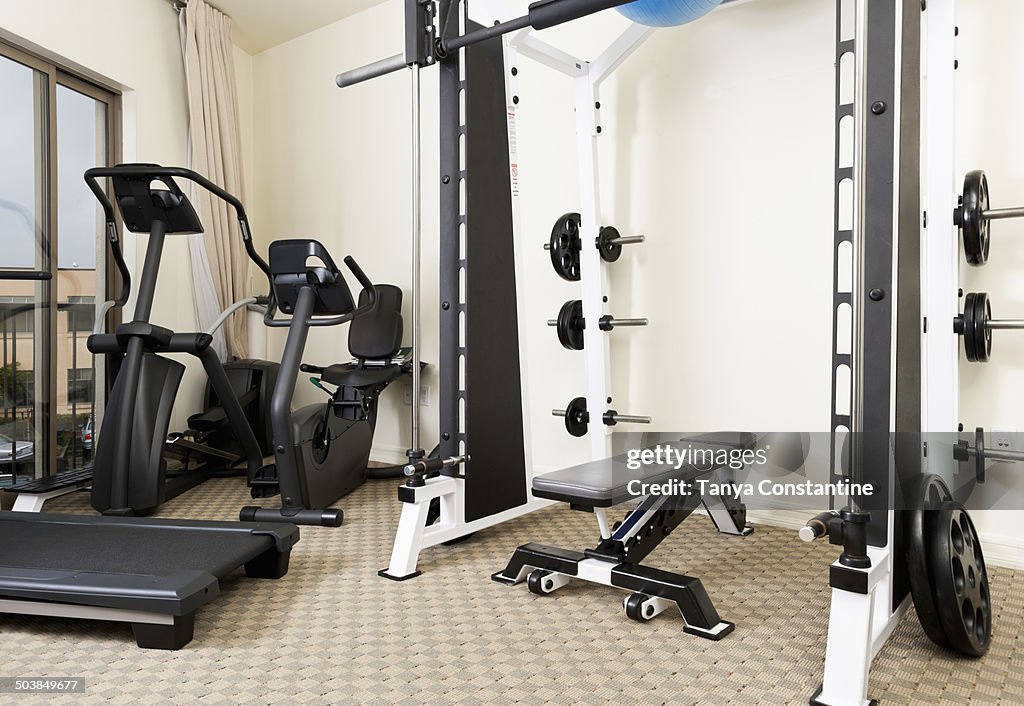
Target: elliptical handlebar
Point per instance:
(158, 172)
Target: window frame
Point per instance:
(56, 75)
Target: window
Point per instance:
(81, 313)
(53, 258)
(17, 388)
(80, 387)
(16, 315)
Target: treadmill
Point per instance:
(152, 573)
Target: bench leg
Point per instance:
(686, 592)
(654, 590)
(728, 514)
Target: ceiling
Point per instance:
(261, 24)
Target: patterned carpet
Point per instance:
(331, 631)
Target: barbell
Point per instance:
(565, 245)
(577, 418)
(976, 325)
(973, 217)
(570, 324)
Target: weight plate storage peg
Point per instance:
(924, 499)
(570, 324)
(960, 581)
(577, 418)
(564, 247)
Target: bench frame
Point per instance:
(615, 561)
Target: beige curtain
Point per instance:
(219, 262)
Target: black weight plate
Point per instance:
(960, 588)
(979, 454)
(976, 335)
(974, 229)
(610, 251)
(982, 334)
(564, 247)
(576, 417)
(970, 349)
(931, 491)
(570, 331)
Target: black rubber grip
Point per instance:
(548, 13)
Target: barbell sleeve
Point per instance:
(625, 322)
(995, 214)
(817, 526)
(1004, 324)
(628, 239)
(628, 418)
(370, 71)
(430, 465)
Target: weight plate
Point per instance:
(976, 333)
(983, 334)
(974, 228)
(564, 247)
(979, 454)
(570, 325)
(610, 251)
(960, 581)
(969, 328)
(931, 491)
(577, 419)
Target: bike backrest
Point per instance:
(377, 335)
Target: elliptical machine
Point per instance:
(130, 472)
(321, 451)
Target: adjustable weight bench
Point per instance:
(615, 561)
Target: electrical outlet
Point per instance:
(424, 395)
(1004, 439)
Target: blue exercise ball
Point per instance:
(666, 13)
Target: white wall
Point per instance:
(690, 123)
(990, 104)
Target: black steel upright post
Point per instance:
(451, 222)
(886, 346)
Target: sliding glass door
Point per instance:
(52, 264)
